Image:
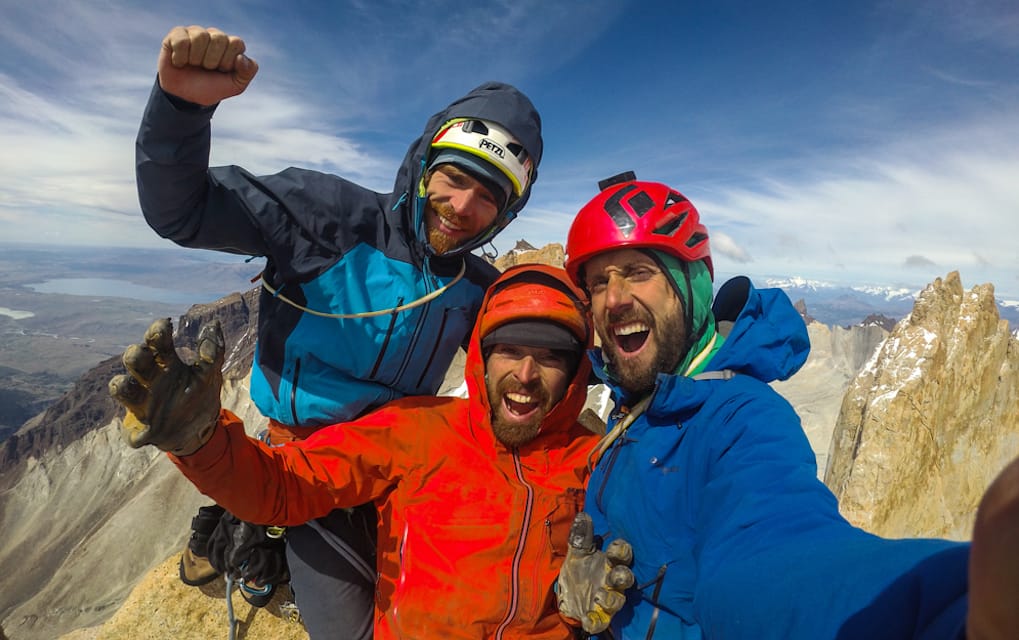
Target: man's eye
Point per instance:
(641, 275)
(508, 351)
(597, 287)
(553, 361)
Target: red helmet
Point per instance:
(639, 215)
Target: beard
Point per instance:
(515, 434)
(441, 243)
(668, 338)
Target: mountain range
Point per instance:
(914, 410)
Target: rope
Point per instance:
(345, 551)
(230, 607)
(369, 314)
(617, 430)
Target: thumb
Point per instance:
(244, 72)
(211, 344)
(211, 353)
(582, 534)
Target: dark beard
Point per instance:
(516, 434)
(669, 341)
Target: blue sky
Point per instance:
(861, 142)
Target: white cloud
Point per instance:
(947, 197)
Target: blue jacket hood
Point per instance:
(768, 339)
(496, 102)
(765, 338)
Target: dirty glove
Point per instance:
(591, 582)
(169, 404)
(249, 552)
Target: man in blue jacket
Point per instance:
(366, 296)
(706, 472)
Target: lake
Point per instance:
(109, 288)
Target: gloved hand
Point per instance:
(169, 404)
(592, 582)
(246, 551)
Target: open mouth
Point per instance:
(450, 224)
(630, 337)
(519, 404)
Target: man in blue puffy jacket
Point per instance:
(366, 296)
(706, 472)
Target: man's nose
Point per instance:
(527, 370)
(617, 292)
(465, 202)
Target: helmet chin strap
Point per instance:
(490, 256)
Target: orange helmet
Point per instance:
(638, 215)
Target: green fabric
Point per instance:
(700, 321)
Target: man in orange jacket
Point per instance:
(476, 496)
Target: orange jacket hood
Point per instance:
(538, 292)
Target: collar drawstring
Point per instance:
(369, 314)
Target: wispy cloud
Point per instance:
(845, 157)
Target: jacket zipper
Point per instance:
(613, 454)
(518, 554)
(435, 348)
(293, 392)
(401, 581)
(385, 343)
(416, 335)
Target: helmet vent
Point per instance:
(475, 126)
(614, 207)
(641, 203)
(673, 199)
(695, 239)
(670, 225)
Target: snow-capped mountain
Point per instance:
(844, 305)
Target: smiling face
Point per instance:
(458, 208)
(523, 384)
(638, 316)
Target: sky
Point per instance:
(865, 142)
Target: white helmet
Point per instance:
(464, 141)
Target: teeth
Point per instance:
(519, 397)
(632, 328)
(446, 222)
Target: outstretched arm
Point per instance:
(175, 407)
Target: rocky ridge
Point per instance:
(83, 515)
(100, 518)
(931, 419)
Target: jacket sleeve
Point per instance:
(775, 558)
(180, 197)
(339, 466)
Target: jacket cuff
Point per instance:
(208, 455)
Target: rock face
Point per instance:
(82, 515)
(85, 519)
(524, 253)
(837, 354)
(931, 419)
(162, 607)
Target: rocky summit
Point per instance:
(83, 515)
(931, 419)
(93, 529)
